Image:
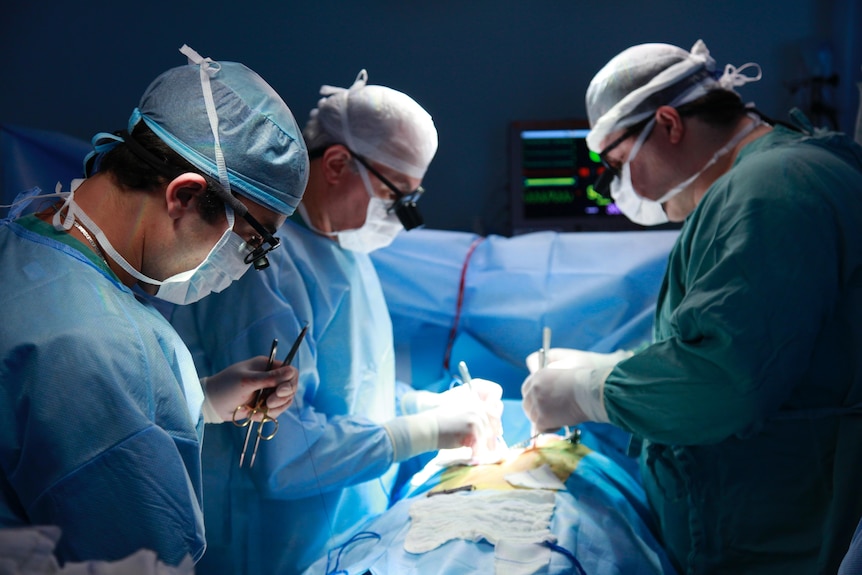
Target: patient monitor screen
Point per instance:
(552, 173)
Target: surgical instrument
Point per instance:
(574, 437)
(466, 378)
(259, 405)
(254, 409)
(543, 363)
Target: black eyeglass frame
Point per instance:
(404, 205)
(257, 255)
(603, 183)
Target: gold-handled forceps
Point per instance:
(259, 406)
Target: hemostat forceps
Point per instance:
(259, 406)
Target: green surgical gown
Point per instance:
(748, 399)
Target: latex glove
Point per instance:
(576, 358)
(238, 384)
(555, 397)
(29, 550)
(417, 401)
(439, 428)
(481, 395)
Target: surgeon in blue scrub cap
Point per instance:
(334, 462)
(749, 399)
(101, 410)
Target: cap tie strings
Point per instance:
(733, 76)
(210, 68)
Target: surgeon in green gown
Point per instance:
(749, 399)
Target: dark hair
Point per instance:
(131, 172)
(718, 108)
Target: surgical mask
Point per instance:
(379, 229)
(224, 264)
(649, 212)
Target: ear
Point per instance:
(668, 119)
(180, 191)
(336, 163)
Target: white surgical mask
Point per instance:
(224, 264)
(649, 212)
(379, 229)
(634, 207)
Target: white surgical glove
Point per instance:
(417, 401)
(480, 395)
(576, 358)
(29, 550)
(570, 390)
(439, 428)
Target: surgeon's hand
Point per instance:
(576, 358)
(481, 394)
(462, 429)
(556, 396)
(441, 428)
(417, 401)
(238, 385)
(488, 392)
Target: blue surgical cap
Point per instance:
(263, 148)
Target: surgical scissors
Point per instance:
(259, 406)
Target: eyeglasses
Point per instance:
(404, 205)
(259, 245)
(266, 242)
(603, 183)
(260, 249)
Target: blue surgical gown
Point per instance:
(749, 396)
(330, 465)
(100, 406)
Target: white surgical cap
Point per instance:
(637, 81)
(378, 123)
(263, 150)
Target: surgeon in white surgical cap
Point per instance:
(100, 412)
(336, 454)
(748, 399)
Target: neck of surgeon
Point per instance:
(693, 144)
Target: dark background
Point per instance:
(80, 68)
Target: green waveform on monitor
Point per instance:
(599, 199)
(545, 197)
(533, 182)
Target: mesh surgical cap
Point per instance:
(637, 81)
(377, 123)
(259, 146)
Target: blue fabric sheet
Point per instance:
(596, 291)
(602, 519)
